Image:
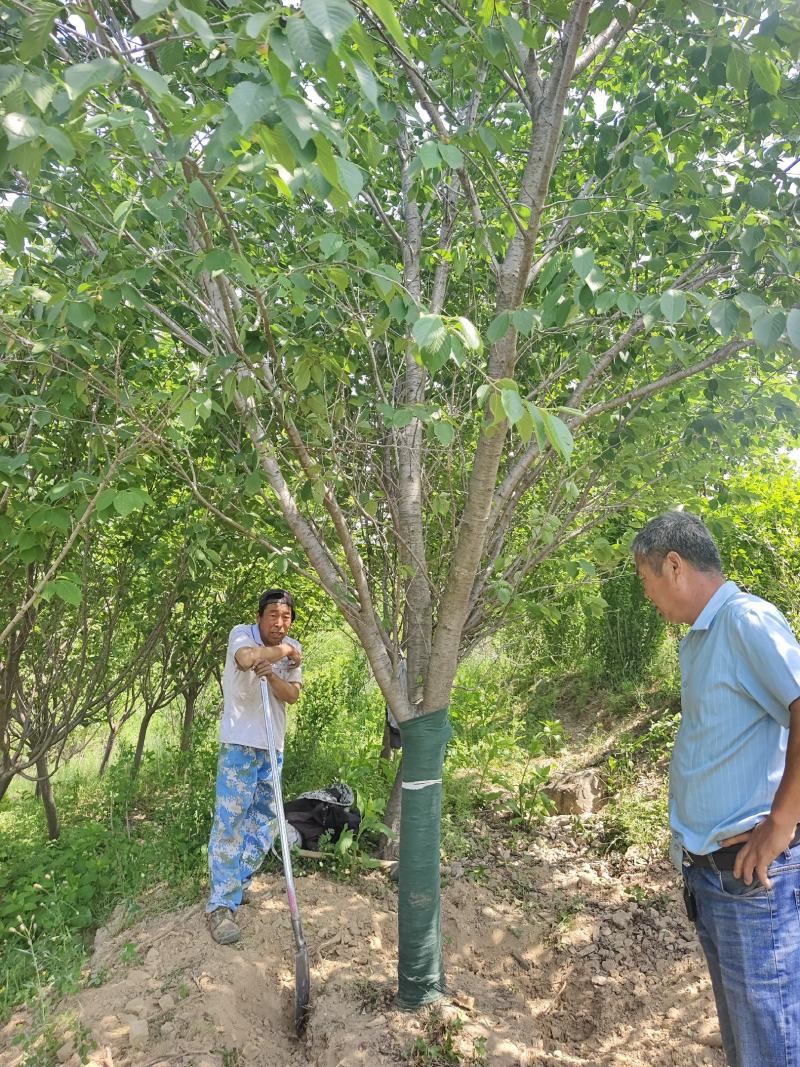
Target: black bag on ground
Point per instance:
(322, 811)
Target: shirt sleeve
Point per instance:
(295, 674)
(240, 637)
(770, 657)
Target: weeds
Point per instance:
(440, 1045)
(647, 899)
(373, 995)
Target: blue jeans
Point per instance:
(751, 939)
(242, 832)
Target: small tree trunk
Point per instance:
(386, 747)
(140, 740)
(190, 703)
(389, 847)
(113, 732)
(45, 787)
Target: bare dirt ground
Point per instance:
(555, 956)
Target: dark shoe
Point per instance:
(222, 927)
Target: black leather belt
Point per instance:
(724, 858)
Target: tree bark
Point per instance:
(389, 846)
(138, 754)
(45, 787)
(189, 706)
(113, 733)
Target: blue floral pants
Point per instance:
(244, 816)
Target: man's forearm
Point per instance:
(769, 838)
(288, 692)
(786, 804)
(246, 658)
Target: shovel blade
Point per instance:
(302, 990)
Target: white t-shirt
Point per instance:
(243, 714)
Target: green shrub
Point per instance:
(626, 637)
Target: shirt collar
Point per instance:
(256, 633)
(710, 611)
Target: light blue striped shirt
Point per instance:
(740, 671)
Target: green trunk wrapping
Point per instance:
(420, 968)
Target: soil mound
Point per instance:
(552, 958)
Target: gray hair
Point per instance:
(677, 531)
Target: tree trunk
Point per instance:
(45, 787)
(137, 756)
(113, 733)
(420, 967)
(190, 703)
(389, 847)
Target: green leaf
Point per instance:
(351, 177)
(129, 500)
(252, 484)
(296, 117)
(39, 88)
(366, 79)
(444, 431)
(81, 77)
(765, 73)
(737, 69)
(472, 338)
(145, 8)
(724, 317)
(751, 239)
(498, 327)
(512, 405)
(105, 500)
(249, 101)
(198, 24)
(595, 279)
(306, 42)
(16, 232)
(331, 17)
(199, 194)
(20, 129)
(759, 194)
(793, 327)
(429, 332)
(673, 305)
(524, 320)
(429, 155)
(558, 434)
(59, 142)
(768, 328)
(627, 303)
(752, 303)
(582, 262)
(154, 82)
(385, 11)
(36, 30)
(65, 590)
(256, 24)
(187, 413)
(452, 156)
(10, 78)
(81, 314)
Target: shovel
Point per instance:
(302, 977)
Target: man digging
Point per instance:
(242, 832)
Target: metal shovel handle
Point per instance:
(278, 794)
(302, 969)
